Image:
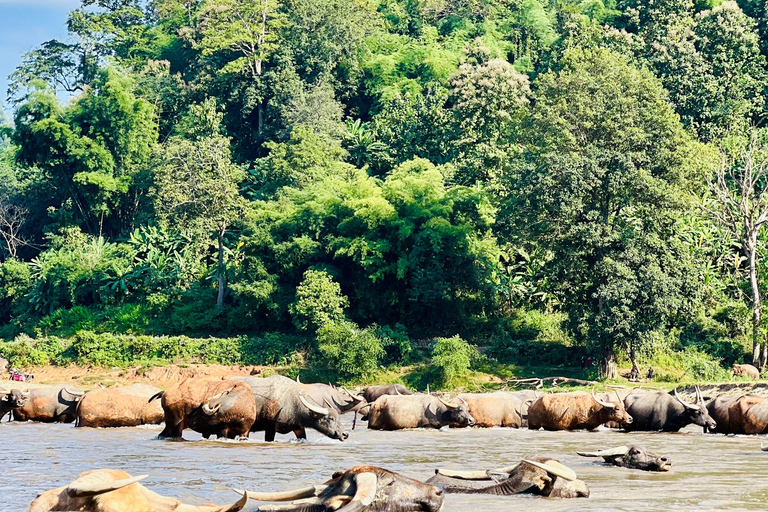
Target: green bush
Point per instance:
(348, 351)
(273, 348)
(396, 344)
(534, 338)
(452, 357)
(25, 351)
(699, 365)
(66, 322)
(319, 301)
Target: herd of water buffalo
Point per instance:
(232, 408)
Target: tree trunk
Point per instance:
(606, 369)
(220, 271)
(757, 306)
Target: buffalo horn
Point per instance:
(297, 379)
(296, 494)
(427, 388)
(684, 403)
(699, 398)
(354, 396)
(464, 475)
(211, 411)
(77, 395)
(238, 505)
(365, 492)
(604, 404)
(86, 489)
(447, 404)
(554, 468)
(397, 391)
(328, 403)
(764, 447)
(610, 452)
(464, 402)
(314, 408)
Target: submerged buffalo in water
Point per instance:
(119, 407)
(573, 411)
(417, 411)
(633, 457)
(109, 490)
(541, 475)
(663, 412)
(55, 404)
(358, 489)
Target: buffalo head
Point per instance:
(614, 411)
(326, 420)
(697, 412)
(458, 414)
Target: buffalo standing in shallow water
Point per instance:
(718, 411)
(358, 489)
(748, 415)
(373, 393)
(417, 411)
(10, 400)
(498, 409)
(119, 407)
(55, 404)
(662, 412)
(573, 411)
(633, 457)
(541, 475)
(109, 490)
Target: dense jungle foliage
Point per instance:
(362, 183)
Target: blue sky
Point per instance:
(24, 24)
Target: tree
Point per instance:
(740, 203)
(196, 185)
(605, 157)
(319, 301)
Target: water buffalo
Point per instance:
(748, 415)
(541, 475)
(110, 490)
(573, 411)
(497, 409)
(660, 411)
(718, 411)
(633, 457)
(372, 393)
(288, 408)
(395, 412)
(119, 407)
(12, 399)
(745, 370)
(228, 414)
(358, 489)
(180, 400)
(343, 401)
(54, 404)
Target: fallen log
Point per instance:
(538, 382)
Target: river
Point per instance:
(711, 472)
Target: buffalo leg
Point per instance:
(269, 434)
(300, 433)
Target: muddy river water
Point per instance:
(711, 472)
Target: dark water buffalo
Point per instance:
(54, 404)
(395, 412)
(718, 411)
(288, 408)
(110, 490)
(541, 475)
(573, 411)
(181, 400)
(745, 370)
(342, 400)
(372, 393)
(119, 407)
(660, 411)
(358, 489)
(748, 415)
(497, 409)
(10, 400)
(633, 457)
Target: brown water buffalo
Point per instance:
(718, 411)
(497, 409)
(53, 404)
(395, 412)
(748, 415)
(10, 400)
(358, 489)
(372, 393)
(288, 408)
(573, 411)
(745, 370)
(540, 475)
(633, 457)
(119, 407)
(180, 400)
(110, 490)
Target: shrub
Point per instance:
(701, 366)
(319, 301)
(533, 338)
(66, 322)
(350, 352)
(26, 351)
(273, 348)
(452, 357)
(396, 344)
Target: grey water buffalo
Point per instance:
(110, 490)
(342, 400)
(287, 408)
(748, 415)
(181, 400)
(498, 409)
(718, 411)
(54, 404)
(573, 411)
(358, 489)
(10, 400)
(119, 407)
(372, 393)
(660, 411)
(633, 457)
(395, 412)
(745, 370)
(540, 475)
